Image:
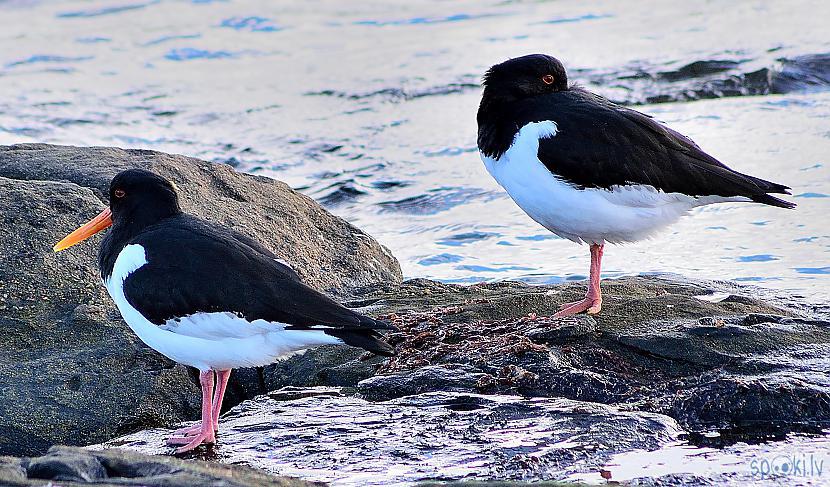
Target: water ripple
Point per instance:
(426, 20)
(252, 24)
(163, 39)
(460, 239)
(393, 93)
(105, 10)
(435, 201)
(813, 270)
(758, 258)
(440, 259)
(48, 58)
(578, 18)
(190, 53)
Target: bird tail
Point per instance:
(767, 187)
(365, 334)
(369, 340)
(772, 201)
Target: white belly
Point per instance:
(621, 214)
(208, 341)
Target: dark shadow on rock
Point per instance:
(69, 467)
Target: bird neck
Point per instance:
(123, 231)
(496, 127)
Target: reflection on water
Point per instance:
(370, 109)
(800, 460)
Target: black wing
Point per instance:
(254, 245)
(599, 144)
(194, 266)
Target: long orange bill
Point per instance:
(100, 222)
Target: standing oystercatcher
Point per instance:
(592, 171)
(207, 296)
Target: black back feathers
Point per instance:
(599, 144)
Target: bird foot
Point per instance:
(192, 438)
(189, 430)
(192, 430)
(590, 305)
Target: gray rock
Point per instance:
(290, 393)
(65, 465)
(70, 466)
(328, 365)
(450, 377)
(328, 252)
(563, 330)
(659, 345)
(71, 371)
(439, 435)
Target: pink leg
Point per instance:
(218, 394)
(192, 430)
(593, 299)
(222, 377)
(205, 434)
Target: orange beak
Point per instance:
(100, 222)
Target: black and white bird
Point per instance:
(207, 296)
(592, 171)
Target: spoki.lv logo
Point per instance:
(787, 465)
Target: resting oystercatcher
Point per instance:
(592, 171)
(207, 296)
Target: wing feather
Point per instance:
(198, 267)
(602, 145)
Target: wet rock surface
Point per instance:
(71, 371)
(708, 358)
(70, 466)
(710, 355)
(678, 360)
(439, 435)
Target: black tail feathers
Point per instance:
(766, 187)
(772, 201)
(369, 340)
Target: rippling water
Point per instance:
(370, 108)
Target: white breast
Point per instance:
(620, 214)
(207, 341)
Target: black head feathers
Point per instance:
(525, 76)
(139, 197)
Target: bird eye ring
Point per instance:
(548, 79)
(119, 193)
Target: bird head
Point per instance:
(525, 76)
(138, 198)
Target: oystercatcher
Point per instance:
(207, 296)
(592, 171)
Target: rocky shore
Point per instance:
(72, 372)
(483, 386)
(666, 360)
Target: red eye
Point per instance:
(119, 193)
(548, 79)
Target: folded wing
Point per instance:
(599, 144)
(195, 267)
